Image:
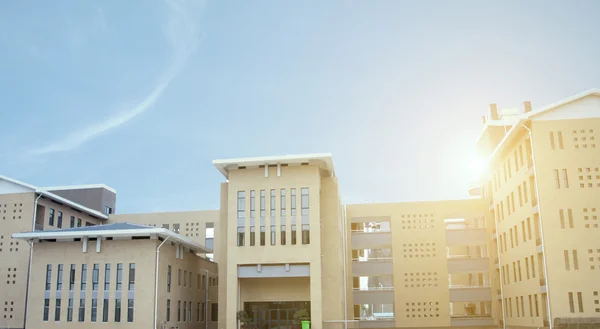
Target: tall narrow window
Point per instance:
(516, 235)
(59, 278)
(525, 196)
(571, 303)
(560, 140)
(252, 217)
(59, 220)
(262, 217)
(189, 311)
(184, 278)
(580, 302)
(530, 307)
(169, 278)
(46, 309)
(72, 222)
(273, 214)
(575, 260)
(81, 315)
(130, 310)
(305, 212)
(565, 178)
(283, 219)
(95, 274)
(105, 309)
(527, 266)
(293, 219)
(570, 214)
(94, 309)
(512, 200)
(48, 276)
(106, 277)
(83, 277)
(532, 267)
(516, 161)
(202, 312)
(184, 311)
(51, 217)
(119, 277)
(551, 139)
(131, 277)
(512, 244)
(178, 277)
(168, 310)
(522, 307)
(561, 215)
(118, 310)
(528, 228)
(78, 222)
(523, 231)
(518, 310)
(519, 266)
(70, 310)
(198, 312)
(514, 272)
(72, 277)
(178, 311)
(508, 204)
(241, 217)
(556, 178)
(537, 307)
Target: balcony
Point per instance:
(462, 293)
(371, 240)
(463, 263)
(372, 267)
(374, 295)
(466, 237)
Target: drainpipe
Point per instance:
(35, 203)
(156, 284)
(537, 193)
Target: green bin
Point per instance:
(306, 324)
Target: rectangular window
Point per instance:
(178, 311)
(530, 307)
(214, 312)
(168, 310)
(72, 277)
(241, 217)
(95, 274)
(512, 245)
(516, 161)
(78, 222)
(262, 203)
(202, 312)
(571, 303)
(131, 276)
(283, 222)
(130, 310)
(556, 178)
(72, 222)
(198, 312)
(83, 277)
(272, 203)
(561, 215)
(59, 278)
(105, 310)
(516, 236)
(508, 167)
(169, 278)
(176, 228)
(512, 200)
(505, 243)
(519, 266)
(528, 228)
(94, 309)
(252, 218)
(570, 214)
(525, 196)
(527, 266)
(532, 267)
(305, 210)
(508, 204)
(59, 220)
(575, 260)
(537, 308)
(580, 302)
(522, 307)
(70, 310)
(510, 308)
(118, 310)
(521, 154)
(566, 255)
(81, 315)
(252, 203)
(514, 272)
(184, 311)
(560, 140)
(48, 276)
(46, 309)
(189, 311)
(119, 277)
(179, 277)
(106, 276)
(517, 302)
(184, 278)
(551, 139)
(51, 217)
(523, 231)
(565, 178)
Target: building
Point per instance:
(521, 252)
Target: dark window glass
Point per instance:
(132, 277)
(48, 276)
(46, 309)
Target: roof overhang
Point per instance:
(322, 160)
(80, 187)
(126, 233)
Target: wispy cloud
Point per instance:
(181, 32)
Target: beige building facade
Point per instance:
(521, 252)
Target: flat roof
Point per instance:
(323, 160)
(80, 187)
(122, 230)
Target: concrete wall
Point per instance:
(93, 198)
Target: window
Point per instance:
(570, 215)
(283, 222)
(252, 218)
(184, 278)
(107, 210)
(523, 231)
(169, 279)
(176, 228)
(516, 235)
(530, 307)
(59, 220)
(214, 312)
(252, 203)
(518, 310)
(48, 276)
(527, 266)
(94, 309)
(72, 277)
(119, 277)
(202, 312)
(565, 178)
(198, 312)
(105, 310)
(552, 140)
(556, 178)
(168, 310)
(532, 267)
(262, 217)
(178, 311)
(78, 222)
(512, 200)
(95, 274)
(189, 312)
(118, 310)
(241, 217)
(580, 302)
(83, 277)
(512, 245)
(304, 205)
(81, 316)
(131, 277)
(130, 310)
(70, 310)
(179, 277)
(522, 306)
(184, 311)
(51, 217)
(525, 197)
(537, 309)
(106, 276)
(571, 305)
(272, 203)
(72, 222)
(560, 140)
(561, 215)
(59, 278)
(529, 228)
(519, 266)
(46, 309)
(575, 260)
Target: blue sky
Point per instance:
(142, 95)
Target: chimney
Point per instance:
(527, 106)
(493, 112)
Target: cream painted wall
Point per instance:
(275, 289)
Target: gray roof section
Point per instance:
(109, 227)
